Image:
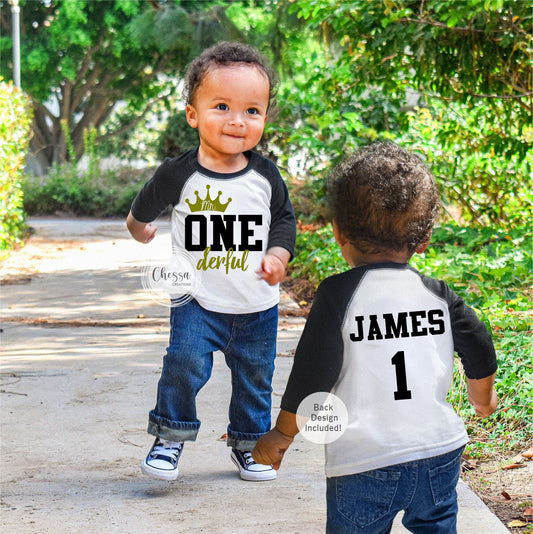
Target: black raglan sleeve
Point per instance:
(283, 222)
(471, 338)
(319, 355)
(161, 190)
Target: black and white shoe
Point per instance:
(162, 460)
(248, 469)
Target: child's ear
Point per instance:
(339, 236)
(191, 115)
(423, 246)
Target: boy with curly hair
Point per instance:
(381, 337)
(232, 214)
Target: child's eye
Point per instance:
(252, 111)
(222, 107)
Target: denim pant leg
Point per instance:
(366, 503)
(194, 334)
(434, 507)
(250, 355)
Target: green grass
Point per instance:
(491, 269)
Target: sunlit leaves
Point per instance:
(15, 120)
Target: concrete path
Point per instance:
(82, 344)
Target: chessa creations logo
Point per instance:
(173, 284)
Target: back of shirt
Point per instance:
(384, 345)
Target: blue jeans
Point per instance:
(366, 503)
(248, 342)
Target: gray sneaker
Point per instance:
(248, 469)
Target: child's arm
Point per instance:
(272, 446)
(142, 232)
(482, 396)
(274, 265)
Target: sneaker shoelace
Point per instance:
(248, 458)
(172, 451)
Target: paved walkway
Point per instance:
(81, 353)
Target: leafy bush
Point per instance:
(15, 120)
(177, 138)
(458, 145)
(492, 269)
(95, 193)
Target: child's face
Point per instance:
(230, 110)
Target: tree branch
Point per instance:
(132, 123)
(436, 23)
(86, 63)
(66, 93)
(496, 97)
(41, 108)
(84, 89)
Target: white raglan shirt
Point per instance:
(226, 222)
(382, 338)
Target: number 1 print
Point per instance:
(402, 393)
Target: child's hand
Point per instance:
(148, 233)
(484, 410)
(272, 270)
(274, 265)
(271, 447)
(142, 232)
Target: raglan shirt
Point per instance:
(226, 222)
(382, 338)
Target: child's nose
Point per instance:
(237, 119)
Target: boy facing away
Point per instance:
(381, 337)
(232, 214)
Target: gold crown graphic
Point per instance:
(208, 204)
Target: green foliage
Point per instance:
(96, 193)
(492, 269)
(88, 55)
(454, 141)
(318, 255)
(468, 51)
(177, 138)
(511, 426)
(451, 79)
(15, 120)
(91, 192)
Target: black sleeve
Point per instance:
(319, 355)
(160, 191)
(283, 223)
(472, 340)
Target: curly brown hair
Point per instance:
(226, 53)
(383, 198)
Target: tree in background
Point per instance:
(79, 59)
(450, 79)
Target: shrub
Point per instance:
(177, 138)
(15, 121)
(91, 193)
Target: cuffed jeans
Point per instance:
(248, 342)
(366, 503)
